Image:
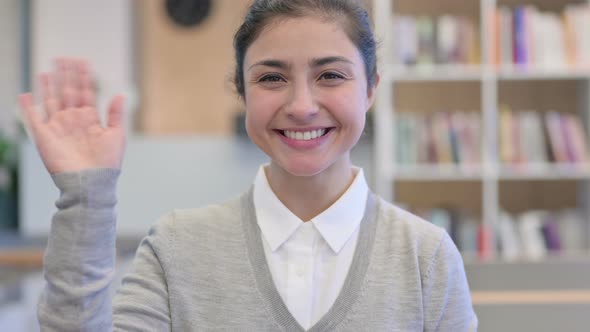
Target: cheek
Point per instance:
(259, 111)
(352, 107)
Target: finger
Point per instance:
(48, 94)
(88, 94)
(72, 90)
(116, 110)
(60, 70)
(31, 117)
(69, 67)
(59, 80)
(83, 71)
(44, 81)
(67, 87)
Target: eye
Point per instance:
(272, 78)
(331, 76)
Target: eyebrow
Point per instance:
(316, 62)
(270, 63)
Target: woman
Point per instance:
(308, 247)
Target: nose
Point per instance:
(302, 105)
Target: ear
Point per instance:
(371, 92)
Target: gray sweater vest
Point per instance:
(204, 269)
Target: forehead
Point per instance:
(294, 39)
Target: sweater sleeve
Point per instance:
(79, 264)
(446, 296)
(142, 302)
(79, 259)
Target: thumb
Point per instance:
(31, 117)
(116, 110)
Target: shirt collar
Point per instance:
(336, 224)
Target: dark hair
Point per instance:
(350, 13)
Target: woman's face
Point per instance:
(306, 94)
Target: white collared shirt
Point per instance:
(309, 261)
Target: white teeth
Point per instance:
(304, 135)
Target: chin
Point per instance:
(303, 169)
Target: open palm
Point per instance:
(66, 127)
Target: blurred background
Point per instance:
(481, 126)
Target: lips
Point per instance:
(305, 138)
(304, 135)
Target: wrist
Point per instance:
(94, 187)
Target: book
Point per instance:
(550, 231)
(578, 16)
(520, 35)
(556, 137)
(530, 225)
(442, 218)
(406, 41)
(455, 127)
(506, 38)
(568, 140)
(495, 26)
(506, 148)
(447, 39)
(438, 138)
(423, 133)
(530, 38)
(426, 40)
(485, 242)
(467, 229)
(516, 138)
(576, 138)
(468, 42)
(401, 141)
(441, 137)
(509, 238)
(533, 142)
(475, 136)
(461, 226)
(411, 139)
(430, 144)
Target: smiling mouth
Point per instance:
(305, 135)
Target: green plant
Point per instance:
(8, 182)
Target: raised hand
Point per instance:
(66, 126)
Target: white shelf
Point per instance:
(565, 257)
(523, 73)
(562, 171)
(436, 172)
(445, 73)
(452, 172)
(488, 77)
(434, 73)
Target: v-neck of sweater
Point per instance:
(352, 285)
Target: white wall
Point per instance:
(10, 63)
(100, 31)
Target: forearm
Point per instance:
(80, 257)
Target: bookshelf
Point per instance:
(493, 70)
